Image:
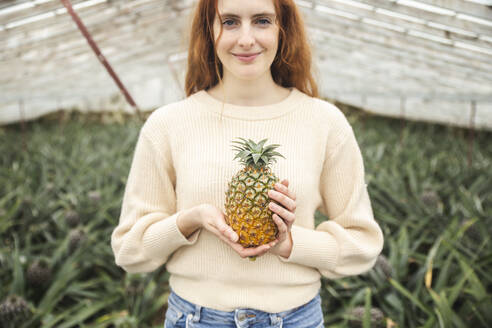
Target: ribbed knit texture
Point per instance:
(184, 158)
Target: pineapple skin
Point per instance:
(246, 206)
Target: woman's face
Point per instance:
(248, 27)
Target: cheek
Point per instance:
(271, 44)
(225, 43)
(268, 39)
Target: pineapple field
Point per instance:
(61, 185)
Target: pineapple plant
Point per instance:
(75, 239)
(383, 264)
(430, 198)
(39, 272)
(94, 196)
(246, 204)
(356, 317)
(14, 310)
(72, 218)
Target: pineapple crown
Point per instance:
(255, 154)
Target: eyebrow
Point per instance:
(255, 15)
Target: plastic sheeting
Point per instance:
(420, 60)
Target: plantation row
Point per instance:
(61, 185)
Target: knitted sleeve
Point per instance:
(147, 233)
(350, 241)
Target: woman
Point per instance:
(249, 76)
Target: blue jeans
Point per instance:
(183, 314)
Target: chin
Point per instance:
(248, 77)
(249, 73)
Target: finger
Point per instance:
(282, 228)
(260, 250)
(227, 231)
(284, 200)
(288, 216)
(255, 251)
(242, 251)
(284, 189)
(237, 247)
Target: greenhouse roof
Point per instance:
(427, 60)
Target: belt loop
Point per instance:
(188, 319)
(274, 319)
(196, 317)
(236, 320)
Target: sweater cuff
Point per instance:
(317, 249)
(164, 237)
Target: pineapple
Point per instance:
(383, 264)
(39, 273)
(356, 317)
(73, 218)
(247, 199)
(75, 239)
(14, 311)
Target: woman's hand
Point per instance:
(213, 220)
(283, 216)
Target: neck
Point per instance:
(263, 91)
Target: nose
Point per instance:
(246, 39)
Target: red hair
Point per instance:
(290, 68)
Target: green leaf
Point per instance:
(410, 296)
(243, 154)
(256, 157)
(7, 220)
(261, 143)
(366, 323)
(277, 154)
(428, 262)
(88, 310)
(18, 283)
(447, 317)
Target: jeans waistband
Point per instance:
(258, 315)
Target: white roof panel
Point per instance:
(428, 60)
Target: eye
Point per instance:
(227, 21)
(263, 21)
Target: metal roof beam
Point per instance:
(396, 68)
(379, 16)
(387, 37)
(412, 14)
(460, 6)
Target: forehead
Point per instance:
(245, 8)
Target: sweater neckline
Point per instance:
(251, 113)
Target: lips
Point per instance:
(246, 55)
(247, 58)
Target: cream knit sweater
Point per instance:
(183, 158)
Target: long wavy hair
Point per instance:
(290, 68)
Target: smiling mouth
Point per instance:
(248, 56)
